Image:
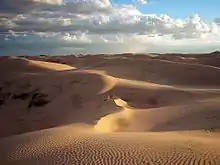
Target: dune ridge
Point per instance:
(120, 109)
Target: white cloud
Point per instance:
(49, 1)
(118, 21)
(143, 2)
(92, 26)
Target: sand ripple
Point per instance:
(63, 147)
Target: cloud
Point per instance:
(20, 6)
(58, 6)
(49, 1)
(119, 21)
(217, 20)
(143, 2)
(97, 26)
(69, 43)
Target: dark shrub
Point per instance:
(22, 96)
(38, 100)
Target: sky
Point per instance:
(57, 27)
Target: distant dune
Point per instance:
(110, 109)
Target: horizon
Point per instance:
(122, 53)
(57, 27)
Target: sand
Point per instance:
(120, 109)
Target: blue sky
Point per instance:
(108, 26)
(207, 9)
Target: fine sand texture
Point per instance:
(123, 109)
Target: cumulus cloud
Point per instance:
(97, 26)
(121, 23)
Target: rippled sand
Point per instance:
(69, 146)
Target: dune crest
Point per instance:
(50, 65)
(118, 122)
(121, 103)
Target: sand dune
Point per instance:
(121, 109)
(162, 71)
(193, 116)
(14, 64)
(74, 92)
(49, 65)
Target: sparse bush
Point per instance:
(22, 96)
(4, 97)
(38, 100)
